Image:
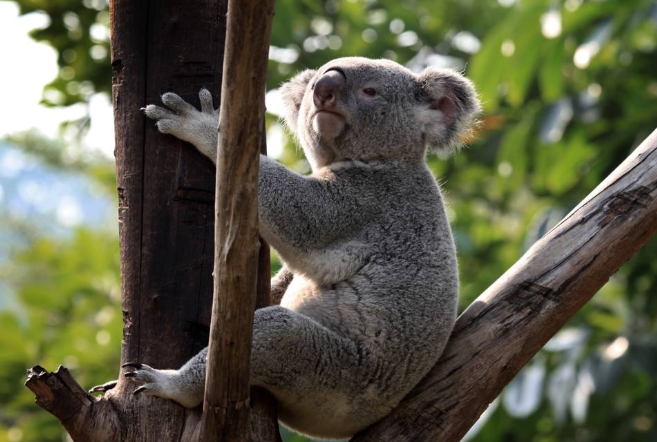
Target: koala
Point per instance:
(369, 287)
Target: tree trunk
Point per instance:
(498, 334)
(166, 224)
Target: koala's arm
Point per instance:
(307, 212)
(295, 211)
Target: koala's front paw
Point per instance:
(185, 122)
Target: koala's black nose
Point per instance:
(327, 89)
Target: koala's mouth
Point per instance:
(328, 124)
(325, 111)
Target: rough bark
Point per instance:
(227, 391)
(522, 310)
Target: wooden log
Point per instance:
(500, 332)
(227, 402)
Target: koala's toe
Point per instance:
(173, 101)
(145, 376)
(167, 126)
(156, 112)
(205, 97)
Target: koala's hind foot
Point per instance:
(185, 122)
(167, 384)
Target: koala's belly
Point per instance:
(336, 308)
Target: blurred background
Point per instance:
(569, 89)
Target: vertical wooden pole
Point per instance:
(227, 402)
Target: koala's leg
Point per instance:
(279, 284)
(293, 356)
(292, 351)
(185, 122)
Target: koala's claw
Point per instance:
(139, 390)
(136, 365)
(104, 388)
(107, 386)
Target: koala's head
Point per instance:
(362, 109)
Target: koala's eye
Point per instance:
(370, 92)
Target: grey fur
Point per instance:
(370, 284)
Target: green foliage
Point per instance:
(68, 291)
(568, 88)
(79, 31)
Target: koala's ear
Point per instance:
(292, 94)
(448, 108)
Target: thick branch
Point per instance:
(523, 309)
(226, 403)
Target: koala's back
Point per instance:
(398, 302)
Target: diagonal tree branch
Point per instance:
(500, 332)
